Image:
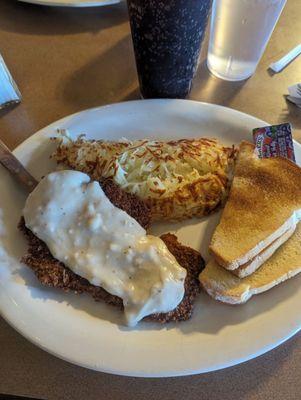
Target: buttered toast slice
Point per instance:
(222, 285)
(177, 179)
(251, 266)
(264, 203)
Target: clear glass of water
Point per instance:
(239, 33)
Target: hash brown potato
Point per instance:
(178, 179)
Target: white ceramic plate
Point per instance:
(72, 3)
(81, 331)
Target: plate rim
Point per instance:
(74, 360)
(73, 3)
(133, 102)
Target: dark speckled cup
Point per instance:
(167, 36)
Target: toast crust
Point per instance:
(223, 286)
(251, 266)
(264, 202)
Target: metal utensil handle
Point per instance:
(13, 165)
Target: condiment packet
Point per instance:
(9, 92)
(274, 141)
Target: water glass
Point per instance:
(239, 33)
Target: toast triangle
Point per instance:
(264, 202)
(222, 285)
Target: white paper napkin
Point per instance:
(295, 94)
(9, 92)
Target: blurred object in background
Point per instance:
(72, 3)
(279, 65)
(9, 92)
(295, 94)
(167, 37)
(239, 33)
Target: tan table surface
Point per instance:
(66, 60)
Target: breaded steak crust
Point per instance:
(52, 273)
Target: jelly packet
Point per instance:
(274, 141)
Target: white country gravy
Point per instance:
(103, 244)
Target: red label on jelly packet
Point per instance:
(274, 141)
